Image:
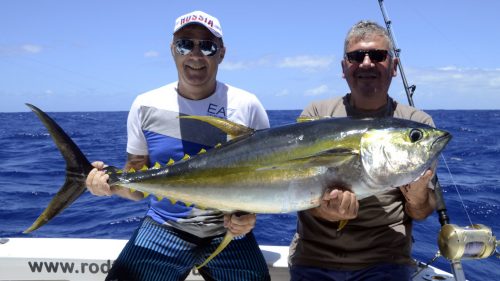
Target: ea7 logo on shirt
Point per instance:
(218, 111)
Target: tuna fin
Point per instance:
(233, 129)
(223, 244)
(342, 224)
(302, 119)
(77, 169)
(170, 162)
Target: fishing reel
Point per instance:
(463, 243)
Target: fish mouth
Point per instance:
(442, 141)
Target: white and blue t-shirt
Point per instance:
(154, 129)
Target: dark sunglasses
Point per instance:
(186, 46)
(358, 56)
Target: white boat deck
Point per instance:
(78, 259)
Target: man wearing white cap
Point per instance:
(175, 236)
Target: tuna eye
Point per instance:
(416, 135)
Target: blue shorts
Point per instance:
(382, 272)
(156, 252)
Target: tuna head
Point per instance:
(396, 156)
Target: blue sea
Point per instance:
(32, 170)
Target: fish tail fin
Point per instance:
(223, 244)
(77, 169)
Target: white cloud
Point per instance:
(317, 91)
(456, 87)
(151, 54)
(29, 48)
(309, 63)
(20, 49)
(229, 65)
(282, 93)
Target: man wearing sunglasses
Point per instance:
(375, 244)
(176, 236)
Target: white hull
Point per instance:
(78, 259)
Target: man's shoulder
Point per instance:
(169, 88)
(327, 107)
(409, 112)
(161, 95)
(232, 90)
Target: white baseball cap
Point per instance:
(202, 18)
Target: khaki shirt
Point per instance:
(381, 232)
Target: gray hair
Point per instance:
(367, 29)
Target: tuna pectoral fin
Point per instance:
(77, 169)
(223, 244)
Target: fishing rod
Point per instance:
(455, 243)
(410, 90)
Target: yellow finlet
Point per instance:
(218, 145)
(144, 168)
(173, 201)
(202, 151)
(132, 170)
(342, 223)
(223, 244)
(132, 190)
(145, 194)
(186, 157)
(170, 162)
(156, 166)
(159, 198)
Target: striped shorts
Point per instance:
(156, 253)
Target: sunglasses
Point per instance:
(358, 56)
(185, 46)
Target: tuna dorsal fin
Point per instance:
(233, 129)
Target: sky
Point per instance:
(94, 55)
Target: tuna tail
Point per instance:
(77, 169)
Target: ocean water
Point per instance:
(32, 170)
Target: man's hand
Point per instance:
(97, 180)
(239, 225)
(97, 184)
(420, 200)
(337, 205)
